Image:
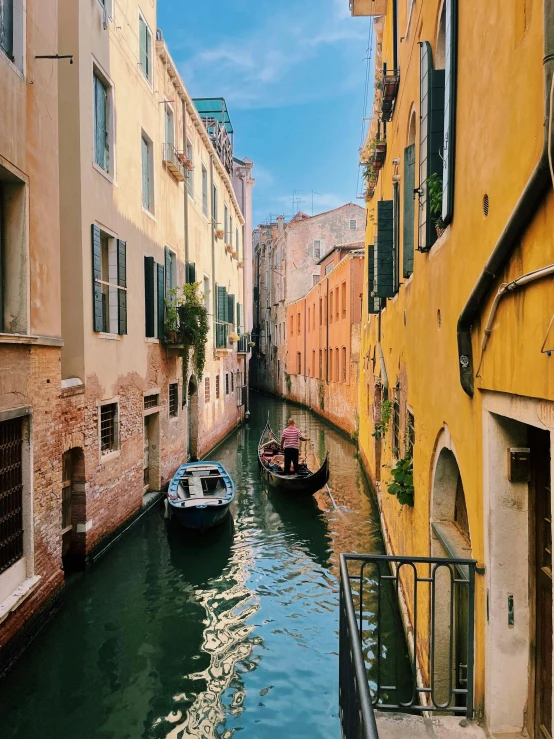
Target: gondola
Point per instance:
(305, 483)
(200, 494)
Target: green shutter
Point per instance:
(384, 262)
(161, 302)
(395, 237)
(373, 303)
(122, 282)
(231, 309)
(149, 296)
(221, 316)
(167, 260)
(239, 319)
(408, 230)
(191, 272)
(96, 275)
(449, 145)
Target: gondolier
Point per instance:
(290, 441)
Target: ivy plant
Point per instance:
(402, 483)
(381, 426)
(186, 314)
(434, 191)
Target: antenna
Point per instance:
(314, 192)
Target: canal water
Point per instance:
(234, 632)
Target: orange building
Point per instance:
(323, 339)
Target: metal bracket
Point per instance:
(56, 56)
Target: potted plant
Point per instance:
(233, 336)
(229, 248)
(434, 193)
(234, 254)
(171, 317)
(240, 265)
(219, 233)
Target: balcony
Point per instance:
(174, 161)
(243, 344)
(217, 122)
(368, 7)
(388, 84)
(430, 599)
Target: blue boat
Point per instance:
(200, 494)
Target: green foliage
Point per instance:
(434, 193)
(186, 314)
(288, 382)
(382, 425)
(322, 396)
(402, 484)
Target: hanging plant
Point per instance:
(434, 192)
(381, 426)
(192, 326)
(402, 484)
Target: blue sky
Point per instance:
(293, 75)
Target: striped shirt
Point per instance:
(291, 437)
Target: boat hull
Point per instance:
(199, 517)
(200, 494)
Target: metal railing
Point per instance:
(243, 347)
(172, 160)
(437, 596)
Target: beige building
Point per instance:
(32, 512)
(147, 204)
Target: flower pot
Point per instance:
(219, 233)
(171, 337)
(440, 230)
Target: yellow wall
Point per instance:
(499, 129)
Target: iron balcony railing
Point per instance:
(243, 347)
(377, 669)
(173, 161)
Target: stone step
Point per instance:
(402, 726)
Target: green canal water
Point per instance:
(232, 633)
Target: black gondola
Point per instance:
(305, 483)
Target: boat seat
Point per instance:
(181, 493)
(195, 487)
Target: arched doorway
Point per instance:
(74, 514)
(450, 537)
(192, 419)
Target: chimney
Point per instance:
(280, 223)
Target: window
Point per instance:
(396, 423)
(108, 428)
(313, 316)
(217, 387)
(204, 190)
(109, 283)
(343, 288)
(169, 126)
(337, 303)
(226, 224)
(145, 52)
(329, 268)
(298, 323)
(344, 364)
(6, 27)
(231, 231)
(147, 174)
(237, 240)
(170, 271)
(299, 358)
(317, 249)
(315, 280)
(352, 225)
(190, 172)
(309, 322)
(292, 325)
(226, 383)
(101, 123)
(313, 362)
(408, 220)
(321, 311)
(330, 365)
(214, 206)
(14, 251)
(336, 364)
(232, 382)
(207, 294)
(206, 390)
(331, 307)
(320, 364)
(396, 237)
(173, 400)
(154, 307)
(11, 492)
(410, 434)
(151, 401)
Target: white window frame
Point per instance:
(410, 11)
(352, 221)
(174, 267)
(144, 137)
(317, 248)
(190, 172)
(169, 116)
(111, 282)
(18, 60)
(97, 71)
(149, 77)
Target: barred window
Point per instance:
(396, 423)
(108, 428)
(11, 493)
(410, 434)
(173, 400)
(226, 383)
(206, 390)
(151, 401)
(217, 387)
(232, 382)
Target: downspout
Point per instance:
(213, 224)
(395, 36)
(305, 330)
(535, 190)
(246, 379)
(327, 335)
(186, 198)
(382, 365)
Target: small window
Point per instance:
(309, 321)
(206, 390)
(331, 307)
(313, 362)
(320, 364)
(214, 206)
(190, 172)
(169, 126)
(410, 434)
(298, 323)
(101, 123)
(173, 400)
(204, 190)
(329, 268)
(170, 271)
(315, 280)
(226, 383)
(321, 311)
(292, 325)
(11, 492)
(207, 294)
(226, 224)
(108, 428)
(145, 44)
(147, 174)
(231, 230)
(330, 365)
(232, 382)
(237, 240)
(344, 364)
(6, 27)
(353, 224)
(343, 288)
(337, 302)
(299, 357)
(217, 387)
(151, 401)
(317, 249)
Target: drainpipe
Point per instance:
(383, 366)
(327, 335)
(305, 331)
(530, 199)
(214, 301)
(243, 181)
(186, 198)
(395, 36)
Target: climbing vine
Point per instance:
(402, 484)
(187, 315)
(288, 382)
(381, 426)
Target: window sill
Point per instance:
(148, 213)
(151, 340)
(19, 595)
(110, 456)
(111, 337)
(151, 411)
(31, 339)
(103, 172)
(13, 65)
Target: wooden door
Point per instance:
(540, 478)
(146, 463)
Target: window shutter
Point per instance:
(167, 260)
(373, 304)
(145, 175)
(231, 310)
(149, 296)
(408, 234)
(161, 301)
(221, 330)
(451, 64)
(239, 319)
(122, 282)
(395, 237)
(191, 272)
(96, 275)
(100, 124)
(384, 279)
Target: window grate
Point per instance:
(227, 384)
(108, 415)
(486, 205)
(173, 400)
(151, 401)
(217, 387)
(11, 493)
(206, 390)
(396, 423)
(410, 434)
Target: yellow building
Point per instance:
(460, 251)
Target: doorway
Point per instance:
(151, 471)
(192, 420)
(73, 508)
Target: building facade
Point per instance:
(459, 256)
(323, 339)
(31, 503)
(286, 267)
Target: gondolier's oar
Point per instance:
(331, 496)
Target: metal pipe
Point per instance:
(530, 199)
(213, 226)
(327, 335)
(382, 365)
(186, 193)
